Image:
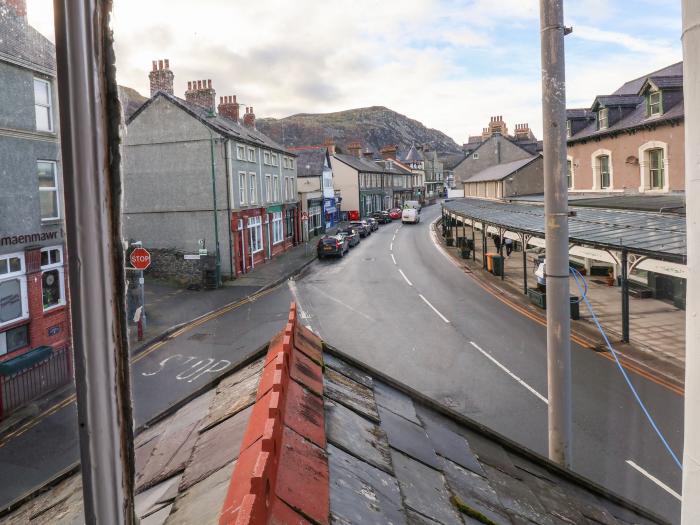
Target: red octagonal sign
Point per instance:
(140, 259)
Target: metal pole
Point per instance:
(556, 231)
(690, 512)
(216, 211)
(473, 242)
(524, 238)
(89, 111)
(483, 245)
(625, 299)
(142, 284)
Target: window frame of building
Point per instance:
(569, 173)
(57, 267)
(595, 168)
(252, 188)
(255, 224)
(646, 172)
(475, 156)
(268, 187)
(289, 222)
(277, 228)
(19, 275)
(658, 104)
(4, 348)
(273, 159)
(251, 154)
(602, 118)
(240, 152)
(242, 192)
(276, 188)
(266, 158)
(568, 128)
(604, 176)
(290, 181)
(658, 171)
(48, 106)
(49, 189)
(291, 163)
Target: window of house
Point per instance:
(48, 190)
(291, 164)
(240, 152)
(569, 174)
(603, 118)
(255, 234)
(277, 228)
(268, 188)
(568, 128)
(656, 168)
(241, 187)
(42, 105)
(251, 154)
(289, 219)
(653, 103)
(290, 181)
(14, 339)
(13, 289)
(252, 188)
(475, 156)
(276, 188)
(266, 157)
(274, 159)
(604, 171)
(52, 279)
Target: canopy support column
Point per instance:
(625, 299)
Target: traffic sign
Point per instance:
(140, 259)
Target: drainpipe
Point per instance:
(227, 160)
(690, 512)
(216, 211)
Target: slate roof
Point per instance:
(310, 161)
(23, 45)
(370, 166)
(306, 434)
(666, 82)
(220, 124)
(579, 113)
(628, 95)
(413, 155)
(449, 162)
(500, 171)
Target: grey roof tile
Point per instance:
(415, 518)
(233, 394)
(474, 491)
(360, 437)
(632, 87)
(408, 437)
(516, 497)
(21, 44)
(501, 171)
(449, 444)
(395, 400)
(310, 161)
(350, 393)
(348, 370)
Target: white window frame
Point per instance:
(570, 159)
(266, 158)
(276, 188)
(268, 187)
(61, 277)
(291, 163)
(52, 189)
(251, 154)
(48, 107)
(277, 228)
(596, 171)
(242, 195)
(3, 339)
(21, 276)
(274, 159)
(252, 188)
(644, 175)
(240, 152)
(291, 189)
(255, 223)
(603, 112)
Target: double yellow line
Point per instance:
(149, 350)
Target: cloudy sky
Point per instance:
(448, 63)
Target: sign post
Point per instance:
(140, 259)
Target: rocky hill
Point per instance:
(131, 100)
(373, 127)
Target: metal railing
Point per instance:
(42, 377)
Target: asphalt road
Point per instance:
(161, 376)
(397, 303)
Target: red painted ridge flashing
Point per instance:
(281, 434)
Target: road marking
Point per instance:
(655, 480)
(393, 258)
(341, 302)
(434, 309)
(391, 247)
(511, 374)
(406, 278)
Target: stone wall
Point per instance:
(171, 265)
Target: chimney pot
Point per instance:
(161, 78)
(155, 67)
(167, 63)
(160, 64)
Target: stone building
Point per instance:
(192, 169)
(315, 186)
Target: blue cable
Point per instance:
(584, 297)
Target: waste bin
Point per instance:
(489, 261)
(575, 312)
(497, 264)
(537, 297)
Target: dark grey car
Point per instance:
(337, 245)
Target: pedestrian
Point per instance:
(509, 246)
(497, 242)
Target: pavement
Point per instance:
(403, 306)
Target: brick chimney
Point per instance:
(18, 7)
(229, 108)
(201, 93)
(368, 154)
(161, 77)
(249, 118)
(355, 149)
(523, 132)
(330, 145)
(389, 152)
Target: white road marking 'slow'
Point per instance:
(406, 278)
(393, 258)
(655, 480)
(434, 309)
(511, 374)
(391, 247)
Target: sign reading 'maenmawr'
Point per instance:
(11, 240)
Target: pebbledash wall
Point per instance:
(34, 295)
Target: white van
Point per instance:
(412, 204)
(410, 215)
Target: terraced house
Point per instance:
(35, 330)
(199, 180)
(631, 140)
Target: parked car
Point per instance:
(382, 217)
(362, 227)
(395, 213)
(332, 245)
(351, 234)
(412, 204)
(410, 215)
(373, 223)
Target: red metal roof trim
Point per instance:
(281, 475)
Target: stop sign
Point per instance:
(140, 259)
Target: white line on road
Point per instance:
(655, 480)
(393, 258)
(434, 309)
(406, 278)
(391, 247)
(511, 374)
